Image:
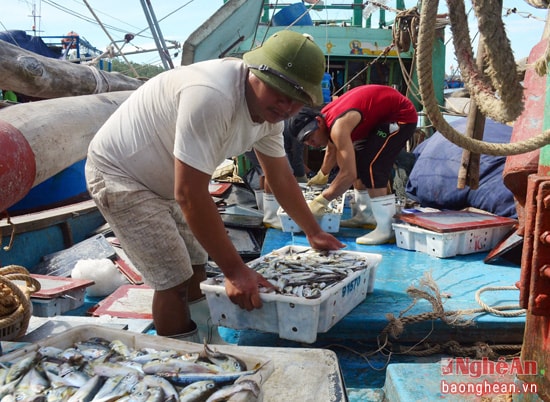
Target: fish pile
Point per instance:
(305, 273)
(99, 370)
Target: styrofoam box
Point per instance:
(330, 223)
(295, 318)
(448, 244)
(141, 341)
(58, 305)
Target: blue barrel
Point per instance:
(325, 86)
(68, 184)
(289, 14)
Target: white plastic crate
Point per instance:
(295, 318)
(444, 245)
(330, 222)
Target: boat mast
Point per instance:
(34, 18)
(157, 34)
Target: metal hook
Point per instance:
(12, 236)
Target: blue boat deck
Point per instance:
(368, 357)
(358, 339)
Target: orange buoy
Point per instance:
(17, 165)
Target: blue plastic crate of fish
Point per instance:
(326, 287)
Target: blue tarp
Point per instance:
(433, 179)
(34, 44)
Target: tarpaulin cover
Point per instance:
(31, 43)
(433, 179)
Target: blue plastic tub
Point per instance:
(286, 16)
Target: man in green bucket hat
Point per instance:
(150, 165)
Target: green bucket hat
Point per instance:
(291, 63)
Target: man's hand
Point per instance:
(244, 289)
(319, 179)
(319, 205)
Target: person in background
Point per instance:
(361, 140)
(149, 167)
(295, 153)
(265, 200)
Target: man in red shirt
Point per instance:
(363, 132)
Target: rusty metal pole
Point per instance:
(535, 264)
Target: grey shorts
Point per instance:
(151, 229)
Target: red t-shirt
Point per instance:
(377, 104)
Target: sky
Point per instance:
(179, 18)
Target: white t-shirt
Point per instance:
(197, 113)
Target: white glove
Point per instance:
(319, 205)
(318, 180)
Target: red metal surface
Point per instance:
(535, 278)
(535, 282)
(17, 166)
(537, 348)
(518, 167)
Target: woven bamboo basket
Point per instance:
(16, 287)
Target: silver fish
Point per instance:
(60, 394)
(33, 382)
(8, 388)
(219, 378)
(156, 394)
(73, 377)
(227, 392)
(116, 387)
(160, 382)
(93, 348)
(146, 355)
(227, 362)
(141, 396)
(70, 354)
(19, 368)
(87, 391)
(50, 351)
(174, 365)
(113, 369)
(119, 347)
(197, 391)
(3, 374)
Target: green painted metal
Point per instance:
(350, 48)
(544, 159)
(355, 46)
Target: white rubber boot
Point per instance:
(271, 205)
(206, 328)
(259, 194)
(362, 212)
(191, 336)
(301, 179)
(383, 209)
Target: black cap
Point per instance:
(304, 123)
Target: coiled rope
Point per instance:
(15, 304)
(478, 84)
(427, 289)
